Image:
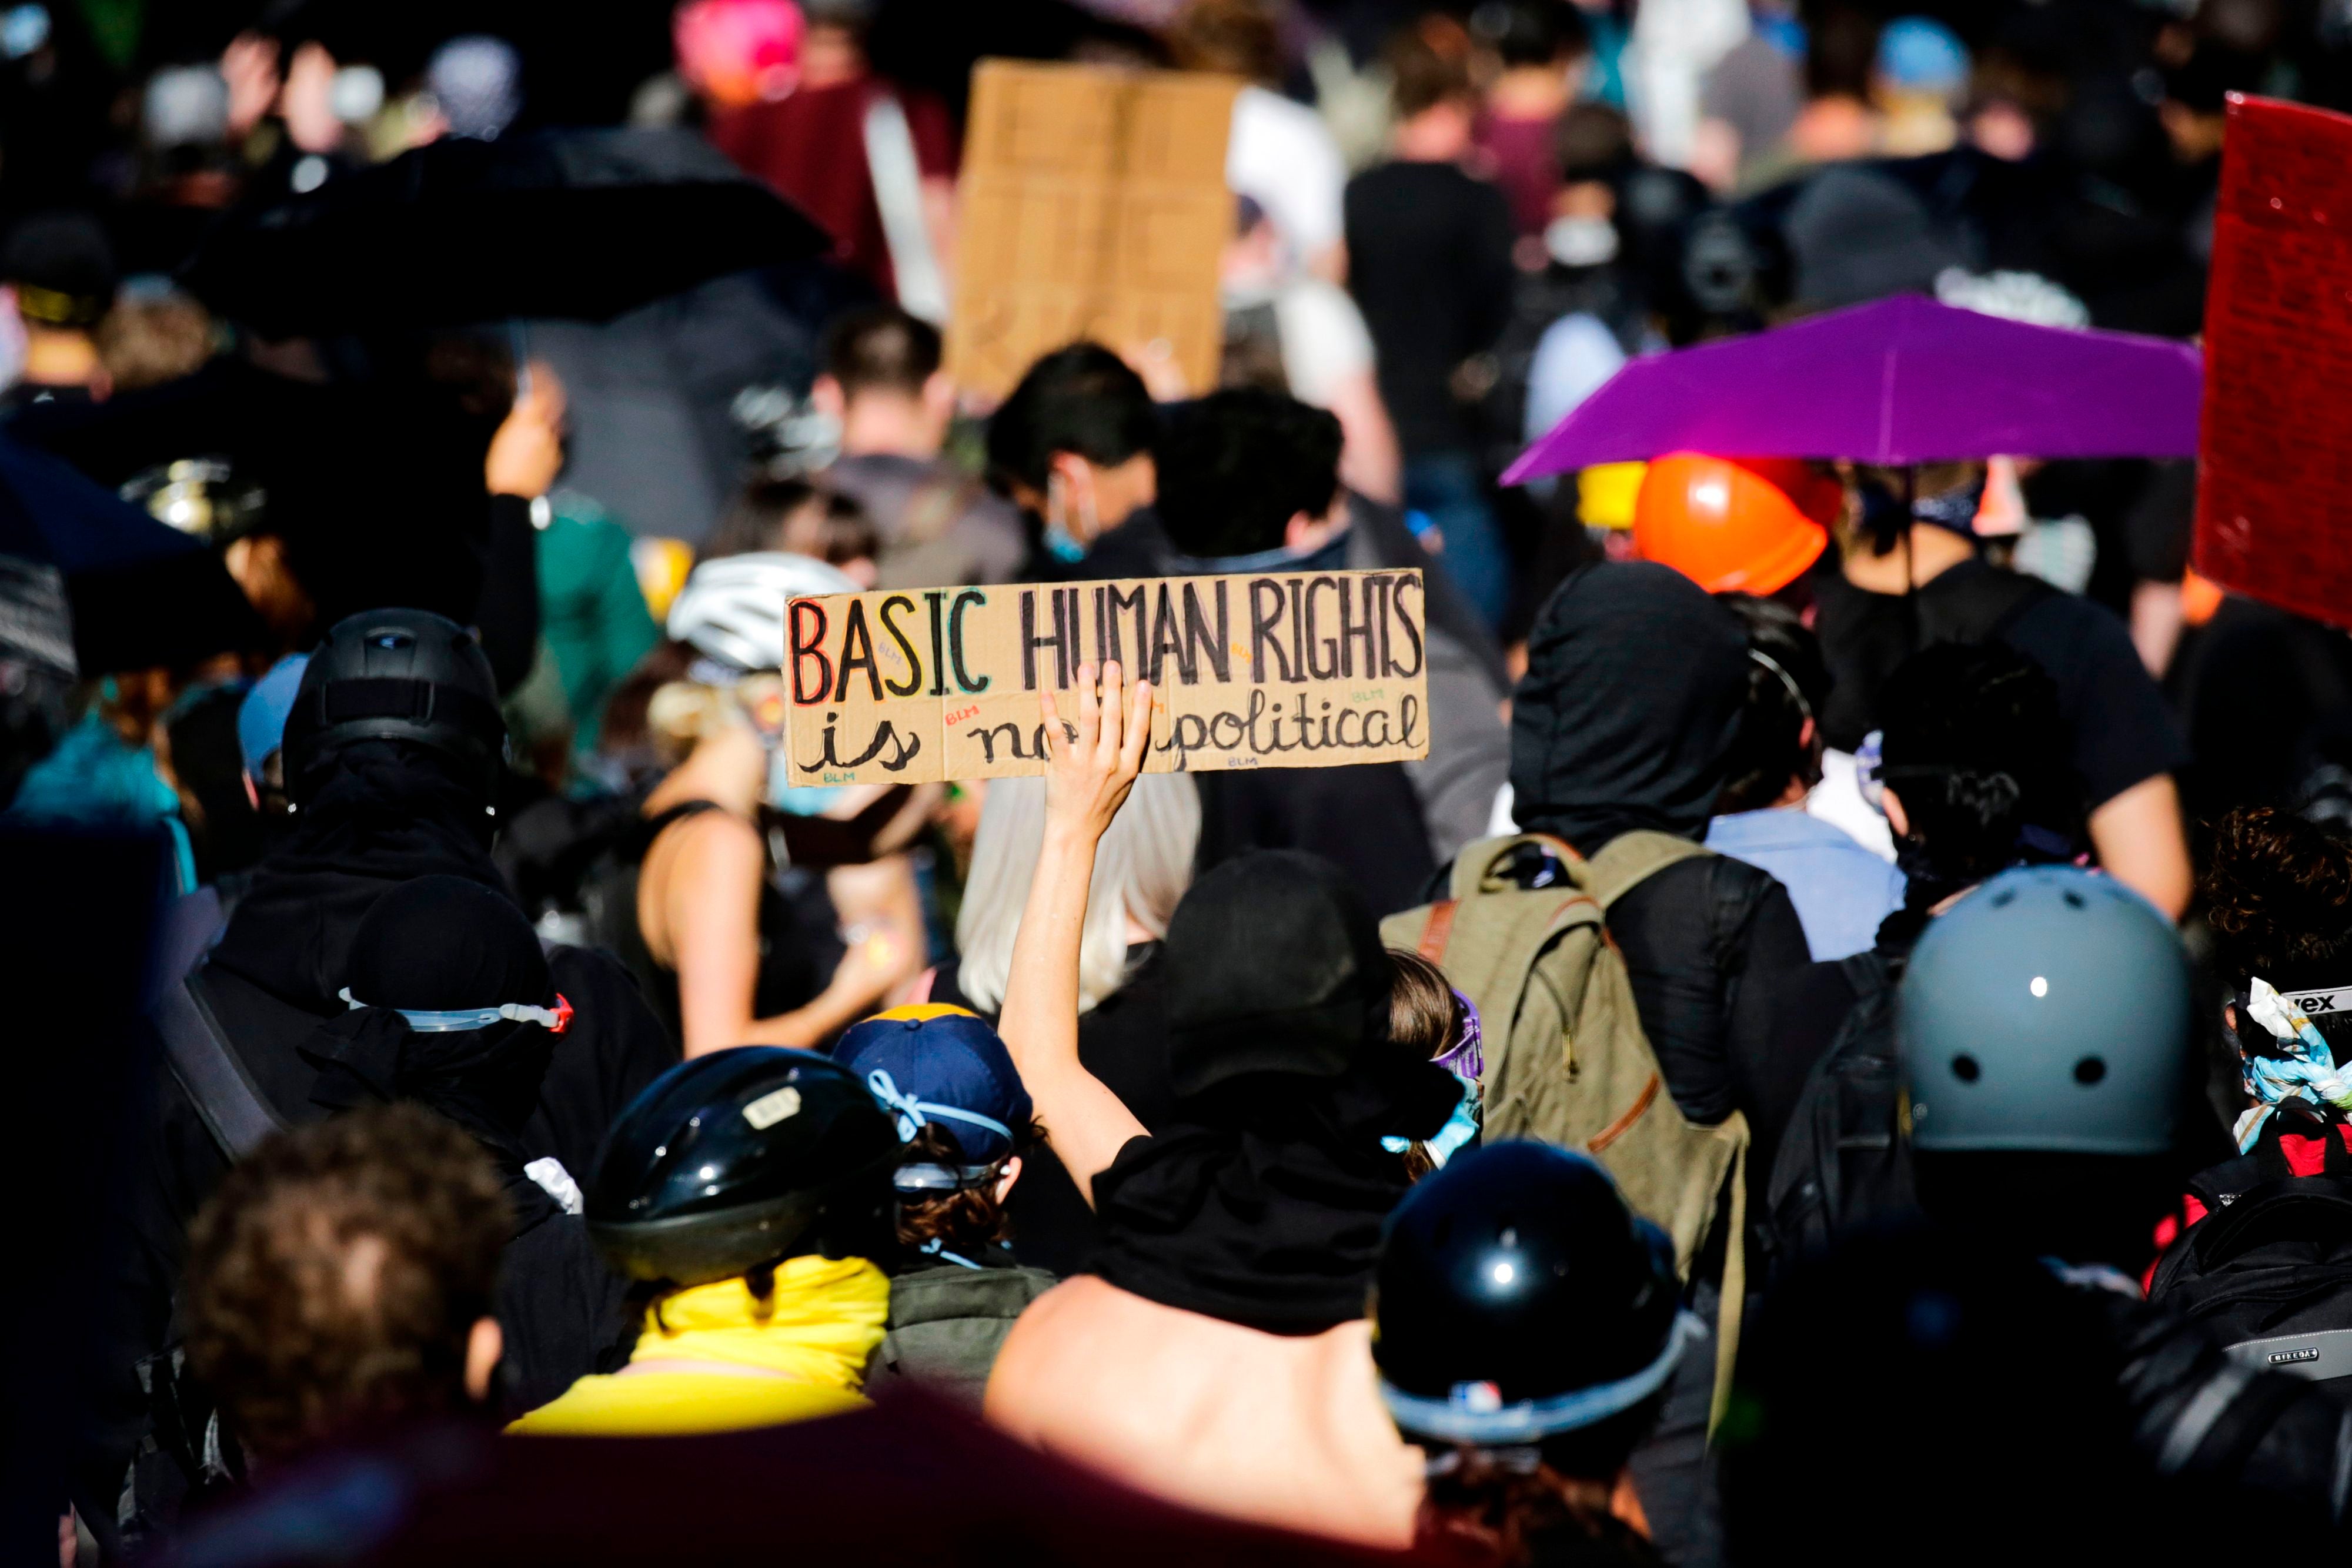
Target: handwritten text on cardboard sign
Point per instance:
(1255, 670)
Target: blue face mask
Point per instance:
(1062, 547)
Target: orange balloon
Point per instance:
(1750, 524)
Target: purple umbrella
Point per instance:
(1897, 381)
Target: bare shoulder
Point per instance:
(708, 834)
(1050, 1345)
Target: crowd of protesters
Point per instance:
(1828, 1057)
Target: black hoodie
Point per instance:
(1634, 683)
(391, 813)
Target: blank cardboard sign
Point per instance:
(1273, 670)
(1093, 205)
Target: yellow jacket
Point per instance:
(797, 1353)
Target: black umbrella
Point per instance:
(576, 224)
(141, 594)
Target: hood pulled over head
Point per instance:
(1632, 694)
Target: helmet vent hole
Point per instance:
(1965, 1069)
(2074, 900)
(2004, 898)
(2089, 1071)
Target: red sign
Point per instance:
(2274, 477)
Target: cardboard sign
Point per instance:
(1279, 670)
(1092, 204)
(2274, 477)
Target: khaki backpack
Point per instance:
(1566, 1058)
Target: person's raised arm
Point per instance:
(1094, 766)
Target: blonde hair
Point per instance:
(681, 714)
(1142, 868)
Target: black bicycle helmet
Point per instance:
(1516, 1298)
(397, 675)
(739, 1158)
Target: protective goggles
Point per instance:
(449, 1020)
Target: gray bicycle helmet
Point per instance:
(2047, 1011)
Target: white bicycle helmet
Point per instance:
(731, 610)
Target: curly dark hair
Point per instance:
(335, 1277)
(1520, 1518)
(968, 1218)
(2278, 892)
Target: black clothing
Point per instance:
(1429, 261)
(442, 941)
(1123, 1042)
(948, 1321)
(1809, 1006)
(506, 612)
(1274, 968)
(1900, 1362)
(390, 813)
(1367, 819)
(1136, 547)
(227, 833)
(564, 1313)
(1634, 691)
(377, 486)
(2157, 524)
(1264, 1205)
(1364, 820)
(1709, 944)
(2266, 697)
(799, 947)
(2123, 732)
(1635, 685)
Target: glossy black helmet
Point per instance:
(397, 675)
(1517, 1298)
(739, 1158)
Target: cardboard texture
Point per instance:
(1281, 670)
(2274, 477)
(1093, 205)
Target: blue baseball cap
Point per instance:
(261, 717)
(931, 1063)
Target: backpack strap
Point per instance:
(1865, 971)
(195, 1045)
(1433, 934)
(1509, 926)
(1733, 1305)
(1630, 859)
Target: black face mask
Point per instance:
(1924, 885)
(1886, 516)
